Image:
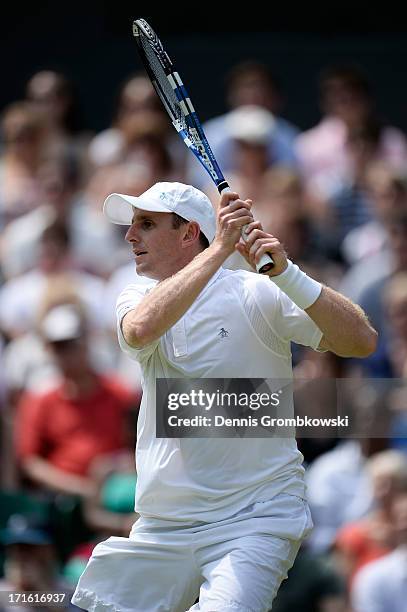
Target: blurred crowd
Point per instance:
(335, 195)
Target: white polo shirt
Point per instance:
(195, 479)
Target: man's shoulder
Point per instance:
(134, 290)
(248, 280)
(242, 276)
(247, 285)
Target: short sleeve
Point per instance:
(293, 323)
(290, 323)
(127, 301)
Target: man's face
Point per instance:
(156, 244)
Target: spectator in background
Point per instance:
(19, 244)
(372, 297)
(28, 364)
(58, 433)
(381, 586)
(54, 96)
(88, 227)
(349, 207)
(338, 491)
(338, 482)
(249, 83)
(136, 96)
(363, 541)
(30, 564)
(250, 128)
(144, 147)
(61, 201)
(20, 297)
(283, 213)
(23, 134)
(386, 190)
(137, 100)
(370, 248)
(347, 105)
(395, 304)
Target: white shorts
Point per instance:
(236, 564)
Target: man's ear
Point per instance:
(191, 234)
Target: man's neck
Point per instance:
(179, 265)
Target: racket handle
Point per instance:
(266, 262)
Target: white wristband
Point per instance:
(299, 287)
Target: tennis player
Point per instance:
(221, 520)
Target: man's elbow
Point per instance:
(367, 344)
(137, 335)
(360, 346)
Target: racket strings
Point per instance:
(163, 86)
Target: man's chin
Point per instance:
(140, 269)
(143, 270)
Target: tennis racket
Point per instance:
(172, 93)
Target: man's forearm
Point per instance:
(170, 299)
(347, 331)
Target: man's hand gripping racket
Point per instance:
(172, 93)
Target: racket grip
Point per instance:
(266, 262)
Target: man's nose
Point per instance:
(132, 234)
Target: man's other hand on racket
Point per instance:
(260, 242)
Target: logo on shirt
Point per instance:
(223, 333)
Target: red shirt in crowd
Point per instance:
(70, 432)
(362, 542)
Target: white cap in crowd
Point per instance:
(251, 124)
(62, 323)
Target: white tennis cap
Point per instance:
(184, 200)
